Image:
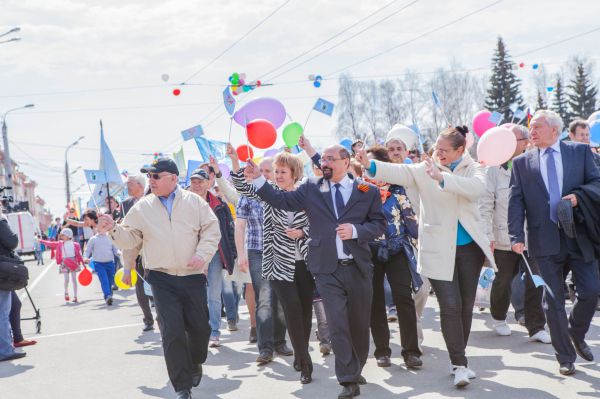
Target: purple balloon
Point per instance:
(271, 153)
(224, 170)
(261, 108)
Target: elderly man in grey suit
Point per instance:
(541, 178)
(344, 216)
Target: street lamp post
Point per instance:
(68, 184)
(7, 161)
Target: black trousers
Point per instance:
(587, 283)
(15, 317)
(347, 297)
(509, 264)
(399, 277)
(142, 299)
(296, 299)
(181, 304)
(457, 298)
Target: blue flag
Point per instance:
(436, 100)
(203, 147)
(217, 149)
(192, 133)
(191, 166)
(324, 107)
(228, 101)
(95, 176)
(112, 175)
(495, 118)
(519, 114)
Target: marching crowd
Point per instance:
(368, 234)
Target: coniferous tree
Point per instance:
(582, 93)
(504, 89)
(560, 104)
(541, 101)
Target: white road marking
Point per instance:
(88, 331)
(37, 280)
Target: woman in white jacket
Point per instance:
(452, 244)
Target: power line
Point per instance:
(330, 38)
(237, 41)
(347, 39)
(418, 37)
(558, 42)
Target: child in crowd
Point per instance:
(68, 257)
(101, 248)
(37, 247)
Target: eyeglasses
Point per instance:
(329, 159)
(156, 176)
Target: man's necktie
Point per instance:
(339, 205)
(553, 188)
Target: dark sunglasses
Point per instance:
(156, 176)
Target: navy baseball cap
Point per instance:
(161, 165)
(199, 174)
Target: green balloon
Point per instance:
(291, 134)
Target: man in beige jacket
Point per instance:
(179, 234)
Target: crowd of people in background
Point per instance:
(364, 241)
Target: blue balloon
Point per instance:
(408, 161)
(317, 83)
(595, 131)
(347, 143)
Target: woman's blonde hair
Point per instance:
(285, 159)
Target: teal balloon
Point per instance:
(408, 161)
(246, 88)
(595, 131)
(291, 134)
(346, 143)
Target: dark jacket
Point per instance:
(363, 210)
(587, 213)
(529, 199)
(8, 239)
(227, 250)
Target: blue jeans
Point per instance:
(231, 299)
(270, 330)
(106, 275)
(6, 341)
(39, 257)
(215, 287)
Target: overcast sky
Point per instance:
(74, 54)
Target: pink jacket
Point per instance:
(59, 247)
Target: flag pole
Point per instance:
(106, 176)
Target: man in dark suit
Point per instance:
(344, 216)
(541, 178)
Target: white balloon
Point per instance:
(165, 77)
(594, 116)
(404, 134)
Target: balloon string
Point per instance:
(230, 124)
(289, 117)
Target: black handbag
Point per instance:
(14, 275)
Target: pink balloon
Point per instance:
(470, 140)
(224, 170)
(481, 123)
(496, 146)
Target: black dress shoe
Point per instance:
(361, 380)
(349, 391)
(283, 350)
(16, 355)
(413, 362)
(583, 350)
(306, 375)
(197, 376)
(148, 327)
(567, 369)
(185, 394)
(384, 361)
(264, 357)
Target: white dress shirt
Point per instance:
(346, 185)
(557, 163)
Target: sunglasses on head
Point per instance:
(156, 176)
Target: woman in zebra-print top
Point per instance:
(284, 253)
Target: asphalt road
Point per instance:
(89, 350)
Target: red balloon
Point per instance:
(522, 64)
(176, 92)
(261, 133)
(85, 277)
(244, 152)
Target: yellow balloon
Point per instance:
(119, 279)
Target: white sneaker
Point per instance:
(541, 336)
(470, 373)
(502, 328)
(461, 376)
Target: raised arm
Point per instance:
(242, 186)
(230, 194)
(399, 174)
(471, 187)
